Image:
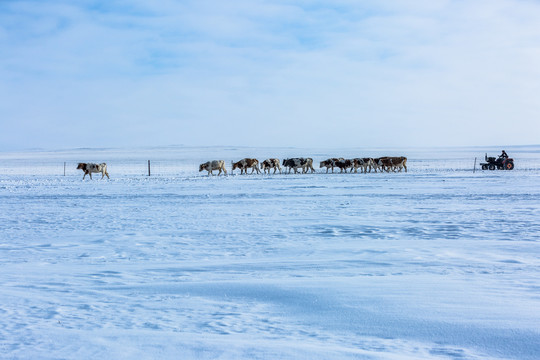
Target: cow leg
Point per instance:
(89, 173)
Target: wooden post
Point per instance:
(64, 168)
(474, 168)
(148, 167)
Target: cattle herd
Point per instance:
(305, 165)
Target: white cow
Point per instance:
(90, 168)
(213, 165)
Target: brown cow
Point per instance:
(329, 163)
(343, 165)
(245, 164)
(360, 163)
(388, 163)
(375, 164)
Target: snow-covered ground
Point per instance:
(436, 263)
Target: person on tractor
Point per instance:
(501, 160)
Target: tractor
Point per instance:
(500, 163)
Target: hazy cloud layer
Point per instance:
(272, 73)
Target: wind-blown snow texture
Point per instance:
(436, 263)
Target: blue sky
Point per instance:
(269, 73)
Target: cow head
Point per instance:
(81, 166)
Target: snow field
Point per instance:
(428, 264)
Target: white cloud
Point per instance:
(432, 72)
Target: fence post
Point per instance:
(474, 168)
(148, 167)
(64, 168)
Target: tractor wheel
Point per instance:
(484, 167)
(491, 167)
(509, 166)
